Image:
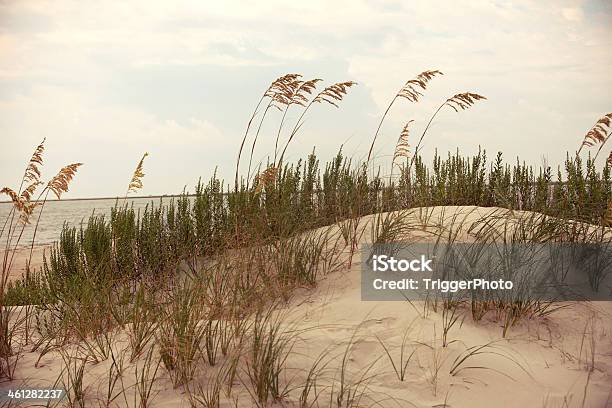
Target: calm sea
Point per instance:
(73, 212)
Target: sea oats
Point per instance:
(59, 184)
(411, 91)
(279, 93)
(334, 93)
(136, 182)
(401, 147)
(267, 177)
(598, 134)
(331, 95)
(463, 101)
(457, 102)
(32, 172)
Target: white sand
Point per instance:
(20, 258)
(552, 352)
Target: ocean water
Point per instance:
(73, 212)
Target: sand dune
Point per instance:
(542, 362)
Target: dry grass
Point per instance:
(457, 102)
(411, 91)
(598, 134)
(284, 92)
(59, 184)
(22, 200)
(266, 178)
(136, 182)
(23, 205)
(298, 93)
(332, 95)
(279, 91)
(401, 147)
(463, 101)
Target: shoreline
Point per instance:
(21, 256)
(109, 198)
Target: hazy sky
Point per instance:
(105, 81)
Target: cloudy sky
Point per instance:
(106, 81)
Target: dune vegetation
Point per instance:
(192, 295)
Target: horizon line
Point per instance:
(109, 198)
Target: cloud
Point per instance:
(144, 75)
(573, 14)
(72, 116)
(108, 139)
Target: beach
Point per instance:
(392, 351)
